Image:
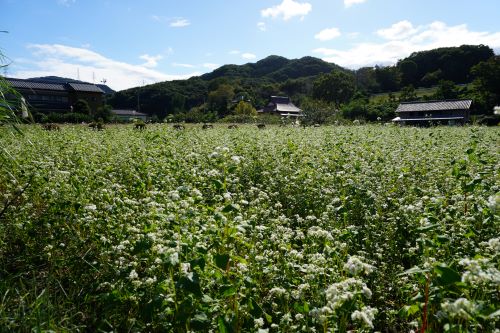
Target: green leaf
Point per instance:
(414, 270)
(221, 260)
(218, 184)
(230, 208)
(447, 275)
(221, 325)
(200, 321)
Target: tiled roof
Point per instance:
(398, 119)
(287, 108)
(435, 105)
(85, 87)
(280, 99)
(25, 84)
(38, 84)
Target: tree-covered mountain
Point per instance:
(214, 92)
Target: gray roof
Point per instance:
(85, 87)
(287, 108)
(130, 113)
(463, 104)
(398, 119)
(25, 84)
(37, 84)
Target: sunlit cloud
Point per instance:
(151, 61)
(328, 34)
(349, 3)
(288, 9)
(261, 26)
(180, 23)
(400, 42)
(248, 56)
(399, 30)
(67, 61)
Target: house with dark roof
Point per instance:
(57, 96)
(282, 106)
(447, 112)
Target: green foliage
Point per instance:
(336, 228)
(81, 106)
(104, 113)
(219, 99)
(337, 87)
(318, 112)
(446, 90)
(408, 93)
(245, 109)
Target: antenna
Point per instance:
(93, 77)
(104, 81)
(78, 73)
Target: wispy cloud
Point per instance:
(400, 43)
(328, 34)
(176, 64)
(66, 3)
(151, 61)
(248, 56)
(349, 3)
(66, 61)
(288, 9)
(179, 22)
(399, 30)
(261, 26)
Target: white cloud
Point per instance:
(248, 56)
(179, 23)
(328, 34)
(399, 30)
(66, 61)
(287, 9)
(151, 61)
(211, 66)
(66, 3)
(261, 26)
(176, 64)
(349, 3)
(234, 52)
(431, 36)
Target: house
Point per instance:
(449, 112)
(49, 95)
(128, 115)
(281, 106)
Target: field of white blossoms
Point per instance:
(332, 229)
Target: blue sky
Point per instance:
(130, 42)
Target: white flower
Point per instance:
(365, 316)
(259, 322)
(91, 208)
(133, 275)
(355, 266)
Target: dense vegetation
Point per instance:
(308, 80)
(367, 228)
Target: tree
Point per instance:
(409, 70)
(317, 111)
(388, 77)
(81, 106)
(245, 109)
(218, 100)
(366, 80)
(446, 90)
(337, 87)
(104, 113)
(408, 93)
(486, 84)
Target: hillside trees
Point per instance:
(337, 87)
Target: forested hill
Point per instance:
(294, 77)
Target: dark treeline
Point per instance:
(455, 72)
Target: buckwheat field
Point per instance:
(331, 229)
